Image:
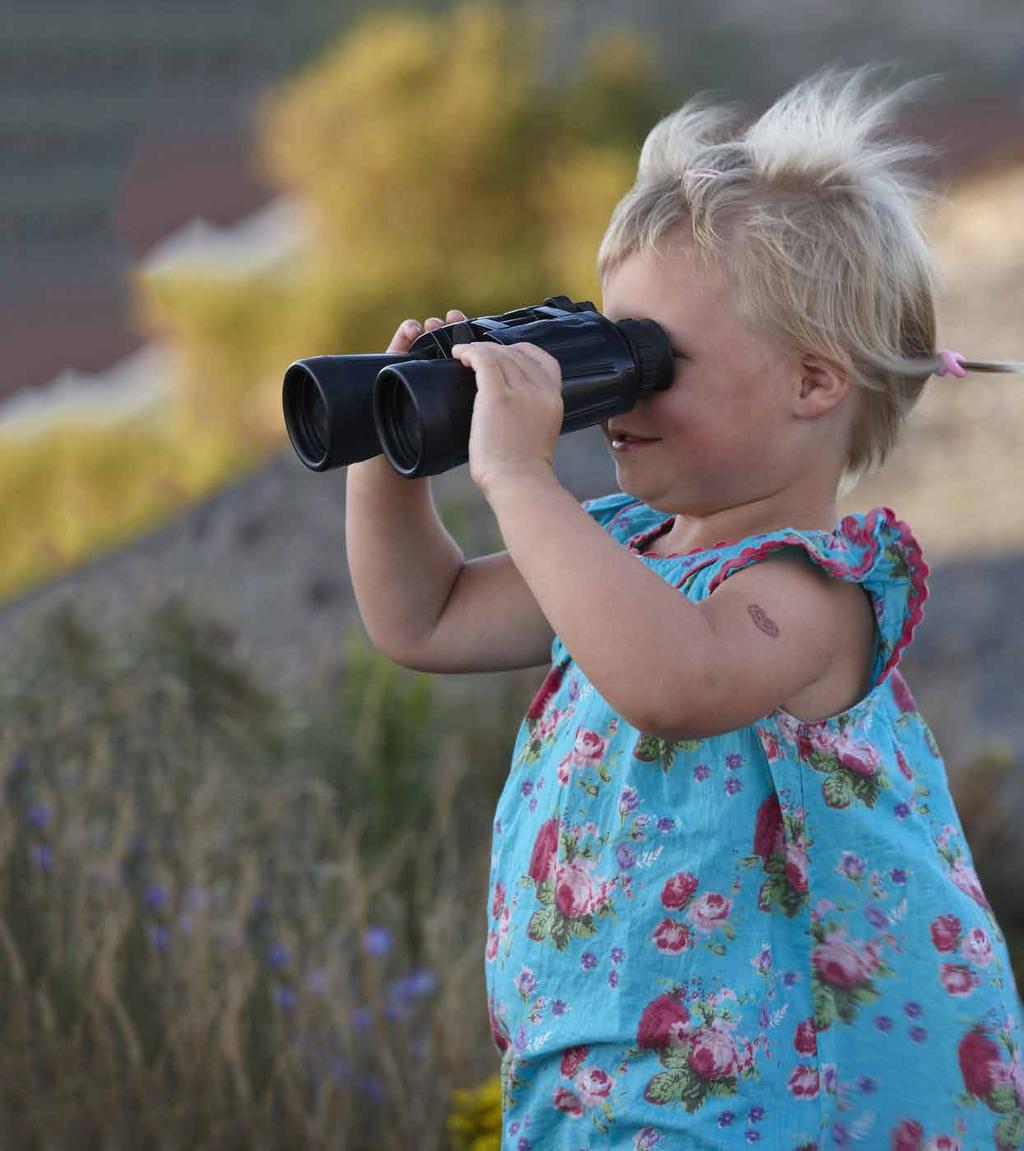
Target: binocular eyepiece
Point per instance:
(417, 407)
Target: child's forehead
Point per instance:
(660, 282)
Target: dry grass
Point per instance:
(223, 928)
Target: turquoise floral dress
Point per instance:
(773, 936)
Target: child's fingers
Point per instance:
(407, 332)
(410, 330)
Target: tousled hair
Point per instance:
(812, 211)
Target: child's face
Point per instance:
(725, 427)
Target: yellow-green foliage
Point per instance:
(441, 170)
(475, 1121)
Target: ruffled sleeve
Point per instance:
(874, 549)
(619, 514)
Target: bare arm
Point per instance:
(422, 605)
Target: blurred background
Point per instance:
(243, 858)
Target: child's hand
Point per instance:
(410, 330)
(518, 410)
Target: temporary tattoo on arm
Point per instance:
(762, 621)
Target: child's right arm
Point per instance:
(421, 603)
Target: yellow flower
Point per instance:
(475, 1121)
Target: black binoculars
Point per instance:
(417, 407)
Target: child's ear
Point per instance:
(822, 384)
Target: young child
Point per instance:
(731, 901)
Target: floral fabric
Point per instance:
(773, 936)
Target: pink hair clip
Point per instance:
(951, 364)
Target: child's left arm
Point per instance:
(669, 667)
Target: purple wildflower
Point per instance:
(278, 956)
(156, 896)
(160, 936)
(377, 940)
(285, 997)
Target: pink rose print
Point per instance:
(768, 832)
(901, 759)
(678, 890)
(977, 947)
(594, 1086)
(811, 744)
(696, 1047)
(901, 692)
(713, 1054)
(499, 1032)
(804, 1082)
(545, 728)
(861, 759)
(671, 936)
(574, 890)
(709, 911)
(907, 1136)
(551, 684)
(499, 899)
(805, 1040)
(663, 1022)
(770, 743)
(565, 1100)
(589, 748)
(841, 964)
(958, 979)
(942, 1143)
(945, 932)
(545, 851)
(966, 878)
(796, 866)
(572, 1060)
(979, 1057)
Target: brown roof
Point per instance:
(175, 176)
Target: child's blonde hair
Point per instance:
(815, 220)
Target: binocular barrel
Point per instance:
(417, 407)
